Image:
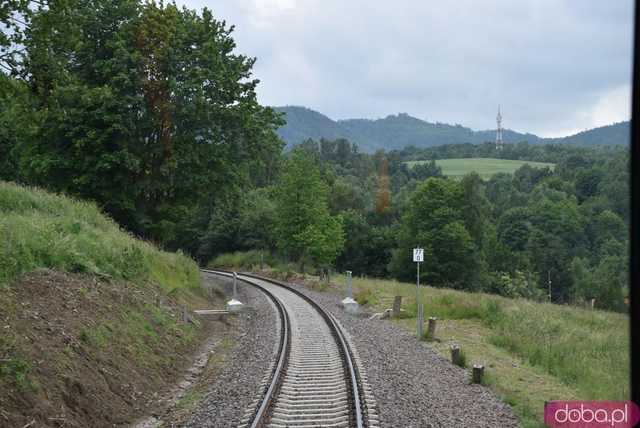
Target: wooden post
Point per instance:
(185, 315)
(397, 302)
(478, 372)
(431, 330)
(455, 354)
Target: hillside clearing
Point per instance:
(485, 167)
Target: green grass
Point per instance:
(485, 167)
(533, 352)
(243, 260)
(253, 260)
(44, 230)
(17, 370)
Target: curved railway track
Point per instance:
(316, 379)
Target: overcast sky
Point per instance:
(556, 67)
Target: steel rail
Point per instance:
(262, 413)
(353, 377)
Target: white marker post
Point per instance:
(234, 305)
(418, 257)
(350, 305)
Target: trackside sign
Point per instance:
(591, 414)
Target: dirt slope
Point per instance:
(76, 351)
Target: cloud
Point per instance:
(553, 65)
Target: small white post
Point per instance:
(234, 305)
(235, 286)
(350, 305)
(418, 257)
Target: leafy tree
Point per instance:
(367, 248)
(556, 238)
(433, 220)
(608, 225)
(514, 228)
(145, 109)
(346, 194)
(584, 288)
(424, 170)
(587, 181)
(304, 228)
(610, 281)
(615, 185)
(476, 207)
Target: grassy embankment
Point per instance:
(485, 167)
(86, 310)
(533, 352)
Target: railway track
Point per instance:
(316, 379)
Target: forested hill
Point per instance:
(402, 130)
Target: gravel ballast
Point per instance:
(414, 385)
(236, 384)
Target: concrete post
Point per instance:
(397, 303)
(350, 305)
(234, 305)
(477, 373)
(455, 354)
(431, 329)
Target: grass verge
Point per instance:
(533, 352)
(45, 230)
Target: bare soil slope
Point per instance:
(76, 351)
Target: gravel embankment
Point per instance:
(235, 386)
(414, 385)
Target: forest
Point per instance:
(148, 110)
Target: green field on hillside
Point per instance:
(486, 167)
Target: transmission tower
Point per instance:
(499, 142)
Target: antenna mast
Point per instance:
(499, 142)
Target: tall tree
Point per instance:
(433, 220)
(146, 109)
(305, 230)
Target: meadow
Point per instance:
(485, 167)
(532, 351)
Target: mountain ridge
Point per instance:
(396, 131)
